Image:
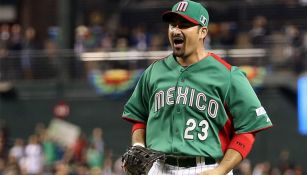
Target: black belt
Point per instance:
(188, 161)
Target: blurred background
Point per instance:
(67, 67)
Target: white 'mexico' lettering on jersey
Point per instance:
(191, 97)
(260, 111)
(200, 107)
(182, 7)
(170, 96)
(159, 100)
(213, 108)
(186, 96)
(182, 95)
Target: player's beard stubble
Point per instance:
(178, 52)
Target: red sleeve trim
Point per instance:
(138, 126)
(131, 120)
(219, 59)
(242, 143)
(262, 129)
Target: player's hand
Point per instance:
(215, 171)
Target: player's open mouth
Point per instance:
(178, 41)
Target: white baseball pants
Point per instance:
(160, 168)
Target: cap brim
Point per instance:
(169, 16)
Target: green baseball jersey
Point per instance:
(195, 110)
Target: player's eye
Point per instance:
(173, 25)
(184, 25)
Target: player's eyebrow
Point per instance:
(182, 23)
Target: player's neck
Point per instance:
(193, 58)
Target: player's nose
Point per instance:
(176, 29)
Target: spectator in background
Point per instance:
(79, 149)
(95, 151)
(96, 171)
(4, 135)
(117, 167)
(82, 169)
(33, 161)
(108, 164)
(90, 40)
(94, 158)
(122, 44)
(263, 168)
(16, 37)
(4, 39)
(12, 169)
(40, 131)
(80, 38)
(139, 38)
(29, 46)
(259, 32)
(284, 160)
(87, 39)
(106, 43)
(97, 139)
(124, 32)
(2, 148)
(18, 150)
(275, 171)
(228, 34)
(295, 48)
(46, 66)
(61, 168)
(298, 170)
(15, 45)
(156, 42)
(49, 150)
(96, 29)
(213, 37)
(2, 165)
(3, 61)
(244, 168)
(293, 35)
(5, 33)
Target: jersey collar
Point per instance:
(173, 64)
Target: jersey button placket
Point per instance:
(180, 83)
(182, 75)
(178, 110)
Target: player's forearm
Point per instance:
(231, 159)
(138, 136)
(238, 149)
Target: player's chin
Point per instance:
(178, 52)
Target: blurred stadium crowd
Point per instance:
(41, 155)
(22, 56)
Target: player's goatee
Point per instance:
(178, 52)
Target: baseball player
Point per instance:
(192, 105)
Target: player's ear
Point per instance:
(203, 32)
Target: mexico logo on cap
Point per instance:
(182, 7)
(203, 19)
